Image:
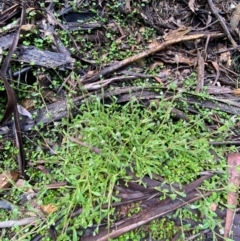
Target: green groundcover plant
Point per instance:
(147, 140)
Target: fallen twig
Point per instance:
(21, 222)
(200, 70)
(92, 148)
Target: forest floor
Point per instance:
(119, 120)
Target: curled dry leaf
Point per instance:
(23, 111)
(178, 33)
(216, 67)
(235, 18)
(191, 5)
(28, 104)
(236, 91)
(48, 209)
(28, 28)
(225, 58)
(213, 207)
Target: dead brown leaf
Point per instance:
(213, 207)
(175, 34)
(216, 67)
(48, 209)
(225, 58)
(28, 104)
(7, 177)
(236, 92)
(235, 18)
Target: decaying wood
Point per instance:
(58, 110)
(81, 26)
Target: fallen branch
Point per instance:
(148, 52)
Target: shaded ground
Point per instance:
(180, 61)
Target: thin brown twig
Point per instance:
(92, 148)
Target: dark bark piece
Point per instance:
(72, 26)
(6, 41)
(58, 110)
(215, 104)
(146, 216)
(44, 58)
(78, 16)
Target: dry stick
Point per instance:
(148, 52)
(225, 28)
(200, 71)
(21, 222)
